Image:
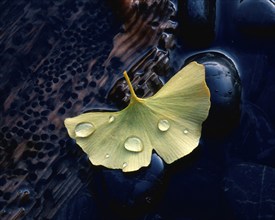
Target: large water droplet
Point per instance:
(133, 144)
(111, 118)
(84, 129)
(185, 131)
(124, 165)
(163, 125)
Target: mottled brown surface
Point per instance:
(59, 59)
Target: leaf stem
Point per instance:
(132, 91)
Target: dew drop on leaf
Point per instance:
(111, 118)
(107, 156)
(163, 125)
(133, 144)
(84, 129)
(124, 165)
(185, 131)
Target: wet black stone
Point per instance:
(256, 18)
(125, 194)
(224, 83)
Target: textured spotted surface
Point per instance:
(58, 59)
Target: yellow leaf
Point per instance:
(169, 122)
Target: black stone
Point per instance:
(224, 83)
(128, 194)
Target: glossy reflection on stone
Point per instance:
(224, 83)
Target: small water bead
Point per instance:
(163, 125)
(84, 129)
(107, 156)
(124, 165)
(111, 118)
(133, 144)
(185, 131)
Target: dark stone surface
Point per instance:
(197, 22)
(250, 189)
(224, 83)
(256, 18)
(129, 195)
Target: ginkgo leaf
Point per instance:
(169, 122)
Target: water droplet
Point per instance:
(111, 118)
(185, 131)
(163, 125)
(133, 144)
(84, 129)
(107, 156)
(124, 165)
